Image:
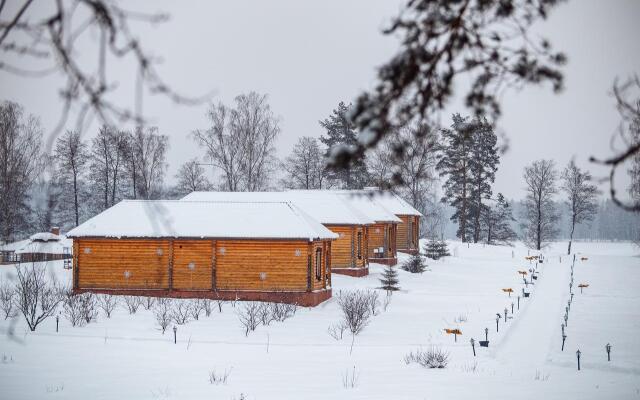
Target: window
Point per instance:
(318, 264)
(359, 245)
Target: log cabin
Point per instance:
(43, 246)
(266, 251)
(349, 252)
(408, 230)
(382, 247)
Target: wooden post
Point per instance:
(170, 264)
(76, 264)
(214, 258)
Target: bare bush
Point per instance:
(434, 357)
(350, 378)
(386, 301)
(336, 331)
(132, 303)
(249, 316)
(461, 318)
(162, 311)
(220, 303)
(283, 311)
(196, 308)
(207, 306)
(107, 303)
(356, 309)
(265, 313)
(7, 300)
(217, 378)
(36, 298)
(374, 302)
(147, 302)
(80, 309)
(181, 312)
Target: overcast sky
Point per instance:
(308, 56)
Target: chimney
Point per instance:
(55, 230)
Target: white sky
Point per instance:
(310, 55)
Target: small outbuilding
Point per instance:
(349, 252)
(40, 247)
(268, 251)
(408, 230)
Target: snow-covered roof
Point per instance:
(50, 247)
(323, 206)
(393, 202)
(361, 202)
(44, 237)
(203, 219)
(15, 245)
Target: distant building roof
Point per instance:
(203, 219)
(324, 206)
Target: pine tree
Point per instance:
(341, 132)
(389, 280)
(483, 166)
(436, 249)
(415, 264)
(454, 162)
(497, 222)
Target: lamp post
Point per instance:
(473, 346)
(518, 302)
(512, 307)
(608, 348)
(564, 337)
(497, 322)
(175, 334)
(486, 334)
(57, 322)
(578, 353)
(505, 314)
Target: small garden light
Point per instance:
(608, 348)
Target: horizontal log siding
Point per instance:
(104, 263)
(343, 255)
(198, 252)
(377, 239)
(239, 264)
(403, 232)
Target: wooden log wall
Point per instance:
(201, 265)
(382, 235)
(344, 250)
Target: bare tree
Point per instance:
(627, 96)
(7, 299)
(304, 167)
(108, 151)
(240, 141)
(48, 35)
(539, 210)
(191, 178)
(581, 196)
(254, 122)
(36, 297)
(20, 161)
(72, 156)
(222, 146)
(484, 42)
(145, 159)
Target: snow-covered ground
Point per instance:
(127, 356)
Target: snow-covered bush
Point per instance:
(434, 357)
(132, 303)
(196, 308)
(181, 311)
(217, 378)
(7, 300)
(415, 264)
(249, 316)
(36, 297)
(80, 309)
(265, 313)
(207, 306)
(162, 311)
(220, 303)
(356, 308)
(107, 303)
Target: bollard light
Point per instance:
(608, 348)
(473, 346)
(497, 322)
(505, 314)
(486, 334)
(175, 334)
(518, 302)
(578, 353)
(57, 322)
(512, 307)
(564, 337)
(566, 319)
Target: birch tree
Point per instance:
(304, 168)
(72, 157)
(191, 178)
(581, 197)
(539, 210)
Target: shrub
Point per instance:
(434, 357)
(181, 312)
(436, 249)
(389, 280)
(162, 311)
(356, 309)
(217, 378)
(282, 311)
(336, 331)
(196, 308)
(132, 303)
(80, 309)
(415, 264)
(107, 303)
(7, 300)
(249, 316)
(36, 298)
(147, 302)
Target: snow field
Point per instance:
(127, 356)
